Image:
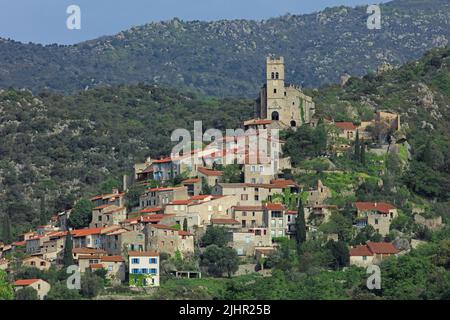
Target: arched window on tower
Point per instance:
(275, 116)
(277, 75)
(273, 75)
(293, 123)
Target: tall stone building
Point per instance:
(281, 102)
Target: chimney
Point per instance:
(115, 191)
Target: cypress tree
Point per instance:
(68, 257)
(357, 147)
(185, 225)
(363, 154)
(6, 229)
(300, 225)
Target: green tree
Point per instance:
(81, 214)
(339, 251)
(109, 184)
(133, 194)
(357, 152)
(91, 285)
(6, 290)
(27, 293)
(6, 229)
(215, 235)
(68, 255)
(300, 225)
(220, 260)
(59, 291)
(362, 157)
(206, 189)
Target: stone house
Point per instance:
(42, 287)
(377, 214)
(319, 195)
(160, 197)
(193, 185)
(371, 253)
(274, 219)
(165, 169)
(115, 242)
(115, 198)
(346, 130)
(211, 177)
(249, 216)
(86, 252)
(114, 265)
(164, 238)
(36, 262)
(107, 215)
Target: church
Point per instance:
(285, 105)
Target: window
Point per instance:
(273, 75)
(244, 223)
(274, 90)
(277, 75)
(275, 116)
(244, 197)
(135, 261)
(135, 271)
(256, 198)
(244, 213)
(376, 221)
(152, 260)
(110, 268)
(364, 258)
(153, 271)
(144, 271)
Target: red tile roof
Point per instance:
(360, 251)
(180, 202)
(192, 180)
(164, 189)
(372, 248)
(163, 160)
(87, 251)
(257, 122)
(248, 208)
(19, 243)
(382, 247)
(283, 183)
(208, 172)
(96, 266)
(112, 259)
(25, 282)
(150, 210)
(143, 254)
(201, 197)
(85, 232)
(224, 221)
(346, 125)
(275, 206)
(382, 207)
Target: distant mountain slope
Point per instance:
(227, 57)
(54, 148)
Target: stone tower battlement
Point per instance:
(281, 102)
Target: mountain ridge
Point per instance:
(225, 57)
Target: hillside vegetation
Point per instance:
(226, 58)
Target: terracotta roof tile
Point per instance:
(208, 172)
(143, 254)
(224, 221)
(346, 125)
(25, 282)
(382, 207)
(382, 247)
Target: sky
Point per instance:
(44, 21)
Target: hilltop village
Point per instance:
(211, 218)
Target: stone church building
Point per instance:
(283, 103)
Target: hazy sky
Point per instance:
(44, 21)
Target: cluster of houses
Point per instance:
(127, 243)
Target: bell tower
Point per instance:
(275, 87)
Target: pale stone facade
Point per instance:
(285, 104)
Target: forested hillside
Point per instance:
(57, 148)
(226, 58)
